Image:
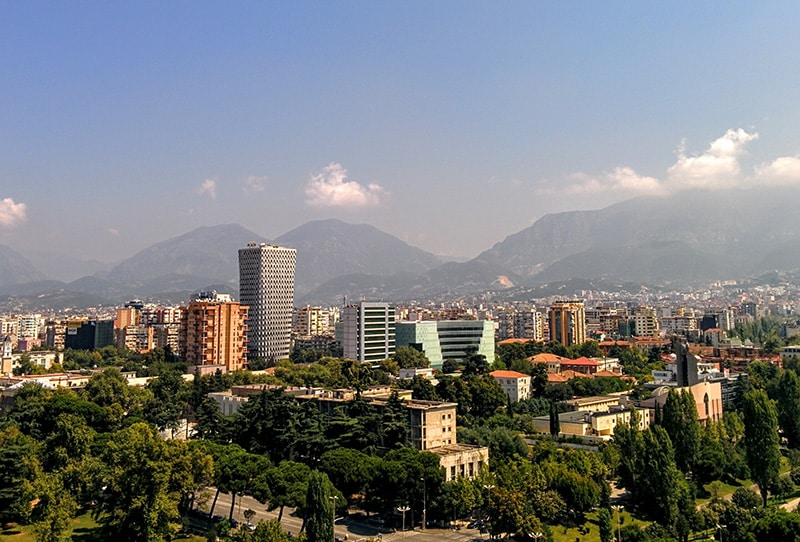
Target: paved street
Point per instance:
(355, 531)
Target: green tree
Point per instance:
(147, 478)
(108, 388)
(762, 446)
(679, 419)
(604, 525)
(53, 511)
(789, 407)
(350, 471)
(555, 423)
(410, 358)
(282, 486)
(319, 507)
(659, 482)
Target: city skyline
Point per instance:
(127, 124)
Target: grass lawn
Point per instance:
(83, 529)
(560, 534)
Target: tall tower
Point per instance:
(266, 285)
(568, 322)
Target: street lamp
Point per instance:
(719, 528)
(333, 517)
(403, 510)
(489, 488)
(424, 501)
(618, 508)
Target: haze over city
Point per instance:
(449, 125)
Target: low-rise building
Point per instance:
(516, 385)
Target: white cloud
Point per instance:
(254, 184)
(12, 213)
(781, 171)
(330, 188)
(622, 180)
(208, 188)
(717, 167)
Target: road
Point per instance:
(355, 530)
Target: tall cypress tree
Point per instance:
(679, 419)
(319, 507)
(789, 407)
(555, 422)
(761, 443)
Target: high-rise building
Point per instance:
(567, 322)
(212, 334)
(368, 331)
(266, 285)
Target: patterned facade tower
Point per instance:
(568, 322)
(266, 285)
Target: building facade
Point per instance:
(368, 331)
(567, 322)
(213, 334)
(516, 385)
(266, 286)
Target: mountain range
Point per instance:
(675, 240)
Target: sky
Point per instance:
(449, 124)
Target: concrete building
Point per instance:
(266, 286)
(368, 331)
(645, 322)
(593, 425)
(567, 322)
(213, 335)
(310, 321)
(516, 385)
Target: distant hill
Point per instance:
(63, 266)
(16, 268)
(203, 255)
(653, 241)
(688, 236)
(327, 249)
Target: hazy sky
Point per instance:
(447, 124)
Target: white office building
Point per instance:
(266, 285)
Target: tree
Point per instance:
(350, 471)
(789, 407)
(108, 388)
(604, 525)
(319, 507)
(410, 358)
(762, 446)
(282, 486)
(555, 423)
(53, 511)
(147, 478)
(659, 482)
(679, 419)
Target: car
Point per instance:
(249, 526)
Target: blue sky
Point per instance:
(447, 124)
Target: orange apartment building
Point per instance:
(213, 336)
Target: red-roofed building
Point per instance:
(552, 361)
(580, 365)
(516, 385)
